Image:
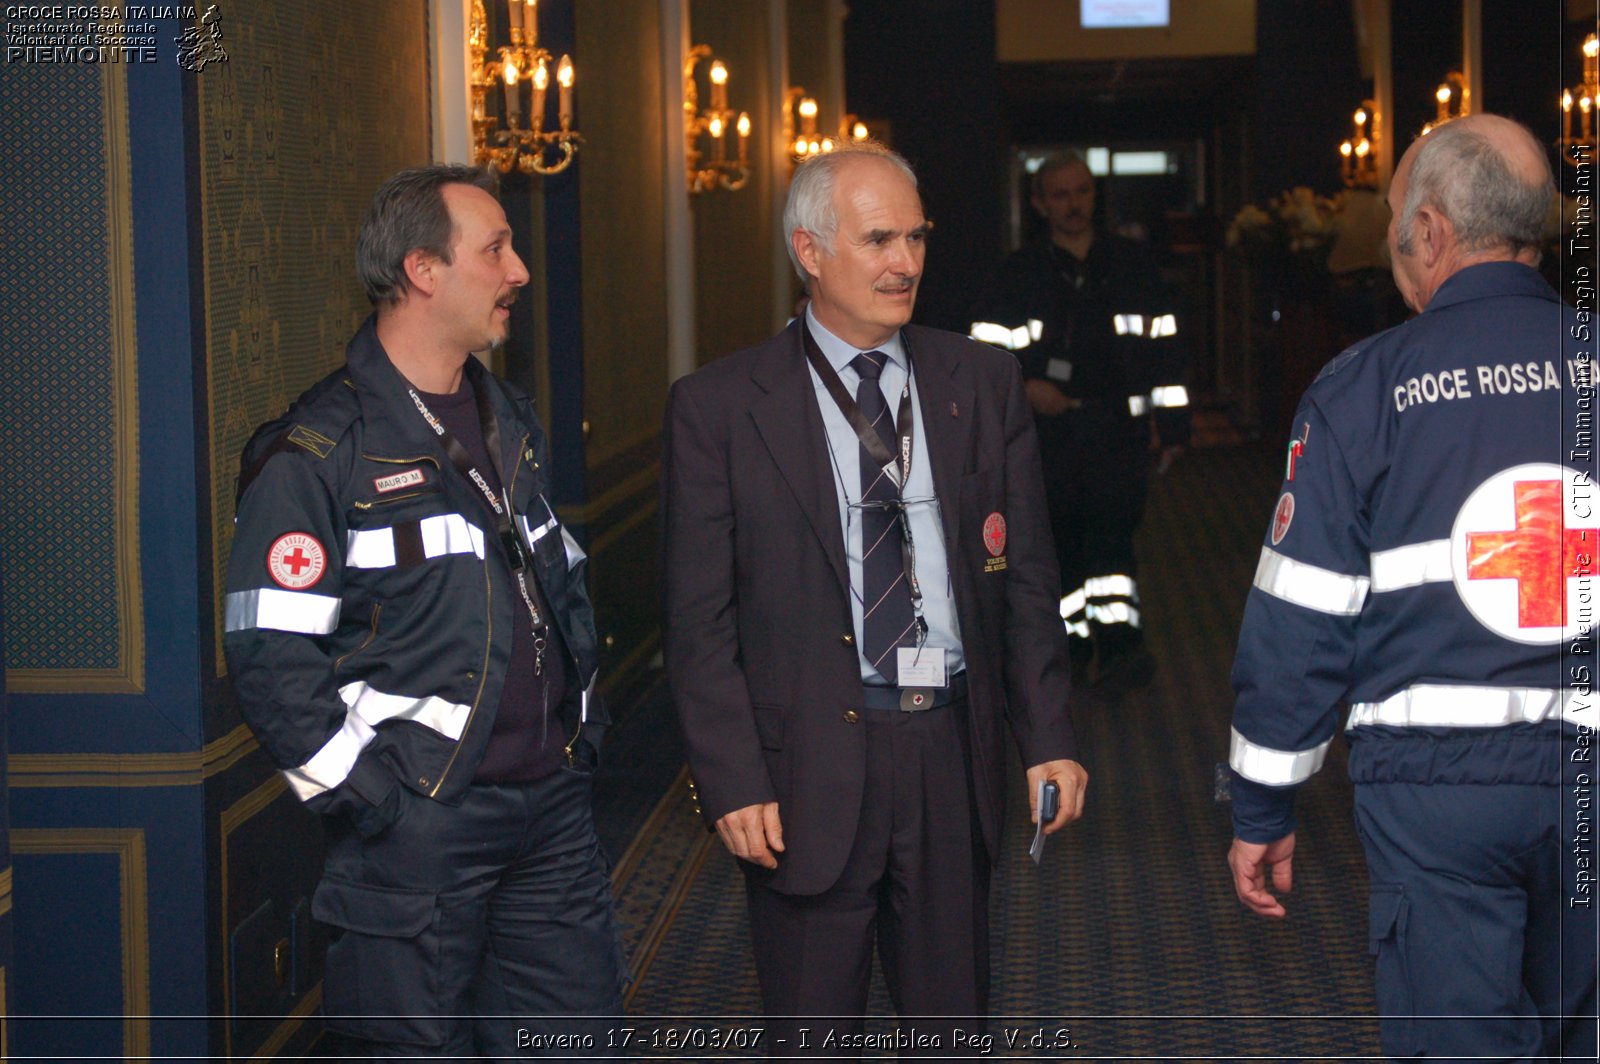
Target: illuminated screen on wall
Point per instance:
(1115, 14)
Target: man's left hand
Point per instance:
(1073, 781)
(1250, 861)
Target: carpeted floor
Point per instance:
(1128, 937)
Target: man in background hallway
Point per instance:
(412, 643)
(1431, 563)
(1091, 322)
(842, 647)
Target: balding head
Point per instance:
(1487, 175)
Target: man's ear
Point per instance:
(1435, 235)
(807, 248)
(419, 266)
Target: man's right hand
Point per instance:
(1045, 397)
(753, 834)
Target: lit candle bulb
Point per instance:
(859, 131)
(513, 98)
(808, 115)
(564, 77)
(719, 86)
(744, 136)
(541, 82)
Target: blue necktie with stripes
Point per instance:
(888, 620)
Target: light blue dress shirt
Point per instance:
(927, 530)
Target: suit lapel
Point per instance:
(791, 427)
(944, 391)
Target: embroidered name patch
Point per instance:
(396, 481)
(296, 561)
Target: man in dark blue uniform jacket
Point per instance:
(410, 637)
(1431, 563)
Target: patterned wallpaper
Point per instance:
(69, 472)
(317, 104)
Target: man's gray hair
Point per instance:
(406, 214)
(1459, 173)
(810, 204)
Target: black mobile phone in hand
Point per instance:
(1049, 802)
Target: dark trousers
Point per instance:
(1485, 947)
(1096, 482)
(916, 885)
(484, 929)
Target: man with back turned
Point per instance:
(1431, 564)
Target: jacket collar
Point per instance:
(1491, 279)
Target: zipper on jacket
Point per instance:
(483, 678)
(372, 633)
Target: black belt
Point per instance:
(914, 699)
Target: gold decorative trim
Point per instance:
(623, 527)
(642, 482)
(600, 456)
(133, 770)
(5, 907)
(128, 846)
(232, 817)
(292, 1023)
(626, 667)
(128, 675)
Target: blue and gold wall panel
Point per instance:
(177, 266)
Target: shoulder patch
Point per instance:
(311, 440)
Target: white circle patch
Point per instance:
(1523, 553)
(1282, 516)
(296, 561)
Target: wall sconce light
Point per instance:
(1577, 130)
(1358, 156)
(1453, 102)
(719, 170)
(525, 147)
(800, 127)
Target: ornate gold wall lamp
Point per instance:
(800, 127)
(719, 171)
(1358, 156)
(526, 148)
(1578, 129)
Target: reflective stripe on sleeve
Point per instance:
(374, 707)
(1163, 325)
(536, 534)
(1073, 602)
(575, 553)
(992, 332)
(331, 765)
(1169, 397)
(1138, 405)
(1113, 584)
(1128, 324)
(1411, 565)
(281, 611)
(1275, 768)
(1307, 585)
(1465, 706)
(442, 534)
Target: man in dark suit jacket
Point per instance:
(858, 777)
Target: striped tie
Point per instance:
(888, 620)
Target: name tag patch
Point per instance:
(396, 481)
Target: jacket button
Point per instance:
(422, 782)
(471, 675)
(848, 640)
(851, 716)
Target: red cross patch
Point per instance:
(296, 560)
(1521, 545)
(994, 534)
(1281, 517)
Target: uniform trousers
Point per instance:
(916, 884)
(1095, 481)
(482, 929)
(1485, 948)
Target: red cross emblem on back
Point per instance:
(1539, 553)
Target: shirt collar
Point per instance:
(839, 354)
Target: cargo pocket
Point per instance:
(381, 981)
(1387, 915)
